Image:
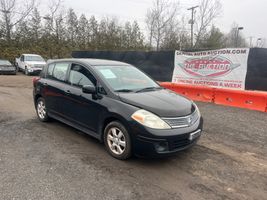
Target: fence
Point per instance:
(160, 65)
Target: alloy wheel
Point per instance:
(41, 110)
(116, 141)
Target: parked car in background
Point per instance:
(30, 63)
(6, 67)
(119, 105)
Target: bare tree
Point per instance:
(158, 18)
(12, 12)
(150, 22)
(208, 11)
(55, 13)
(55, 27)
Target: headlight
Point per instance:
(29, 65)
(198, 112)
(149, 119)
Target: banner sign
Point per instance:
(224, 68)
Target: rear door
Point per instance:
(55, 86)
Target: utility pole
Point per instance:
(192, 24)
(237, 35)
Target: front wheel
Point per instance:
(117, 140)
(41, 110)
(27, 72)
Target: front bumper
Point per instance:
(34, 70)
(151, 145)
(13, 72)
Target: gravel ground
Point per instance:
(54, 161)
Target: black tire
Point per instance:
(127, 150)
(42, 117)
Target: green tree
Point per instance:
(72, 27)
(92, 34)
(82, 32)
(137, 37)
(215, 39)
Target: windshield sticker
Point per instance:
(107, 73)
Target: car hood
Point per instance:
(163, 103)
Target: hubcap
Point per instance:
(116, 141)
(41, 109)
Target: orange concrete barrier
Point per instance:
(254, 100)
(197, 93)
(167, 85)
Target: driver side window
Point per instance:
(80, 76)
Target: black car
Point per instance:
(7, 68)
(119, 105)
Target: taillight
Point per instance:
(35, 79)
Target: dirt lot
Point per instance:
(54, 161)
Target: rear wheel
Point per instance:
(117, 140)
(41, 110)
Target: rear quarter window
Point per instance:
(50, 69)
(60, 71)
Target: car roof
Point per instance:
(30, 54)
(90, 61)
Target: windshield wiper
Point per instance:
(148, 88)
(123, 90)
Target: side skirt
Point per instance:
(80, 128)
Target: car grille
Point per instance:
(38, 66)
(180, 143)
(180, 122)
(7, 68)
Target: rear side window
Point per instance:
(80, 76)
(60, 71)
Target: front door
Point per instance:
(82, 108)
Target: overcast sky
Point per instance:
(251, 14)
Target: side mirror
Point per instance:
(89, 89)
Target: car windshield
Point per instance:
(34, 58)
(125, 78)
(4, 62)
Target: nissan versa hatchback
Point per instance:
(117, 104)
